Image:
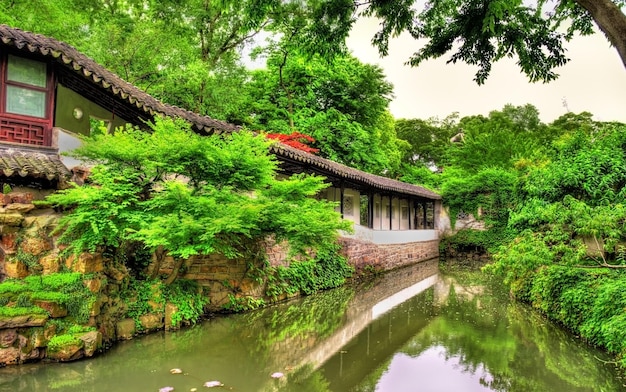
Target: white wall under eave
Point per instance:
(351, 202)
(382, 237)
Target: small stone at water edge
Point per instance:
(211, 384)
(277, 375)
(166, 389)
(193, 389)
(176, 371)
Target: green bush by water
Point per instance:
(590, 302)
(186, 295)
(327, 270)
(66, 289)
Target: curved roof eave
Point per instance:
(380, 183)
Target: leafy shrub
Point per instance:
(590, 302)
(79, 306)
(77, 329)
(13, 286)
(138, 296)
(10, 311)
(241, 304)
(23, 301)
(327, 270)
(492, 189)
(64, 288)
(466, 240)
(57, 342)
(188, 297)
(230, 195)
(67, 281)
(54, 296)
(331, 267)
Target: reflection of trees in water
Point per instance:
(560, 354)
(300, 323)
(303, 379)
(221, 342)
(517, 346)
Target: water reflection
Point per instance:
(413, 329)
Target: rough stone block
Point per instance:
(35, 245)
(170, 311)
(41, 220)
(96, 307)
(151, 322)
(8, 242)
(22, 208)
(30, 354)
(50, 263)
(38, 338)
(9, 356)
(117, 273)
(11, 218)
(49, 331)
(67, 352)
(15, 269)
(125, 329)
(4, 229)
(92, 342)
(94, 285)
(85, 263)
(5, 199)
(7, 337)
(21, 197)
(55, 310)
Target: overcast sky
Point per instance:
(594, 81)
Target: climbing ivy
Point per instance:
(327, 270)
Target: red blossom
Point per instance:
(296, 140)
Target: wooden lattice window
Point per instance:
(26, 96)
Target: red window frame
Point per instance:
(21, 128)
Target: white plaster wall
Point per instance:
(404, 214)
(351, 203)
(380, 209)
(381, 213)
(391, 237)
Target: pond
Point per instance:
(414, 329)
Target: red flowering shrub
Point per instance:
(296, 140)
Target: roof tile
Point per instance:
(25, 163)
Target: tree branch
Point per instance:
(611, 21)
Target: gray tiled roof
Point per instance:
(350, 174)
(25, 163)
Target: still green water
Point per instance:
(415, 329)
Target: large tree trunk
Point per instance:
(611, 20)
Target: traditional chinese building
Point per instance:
(50, 93)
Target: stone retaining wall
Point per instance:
(223, 277)
(365, 255)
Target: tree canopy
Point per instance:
(342, 103)
(481, 32)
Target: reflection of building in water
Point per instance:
(445, 284)
(369, 305)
